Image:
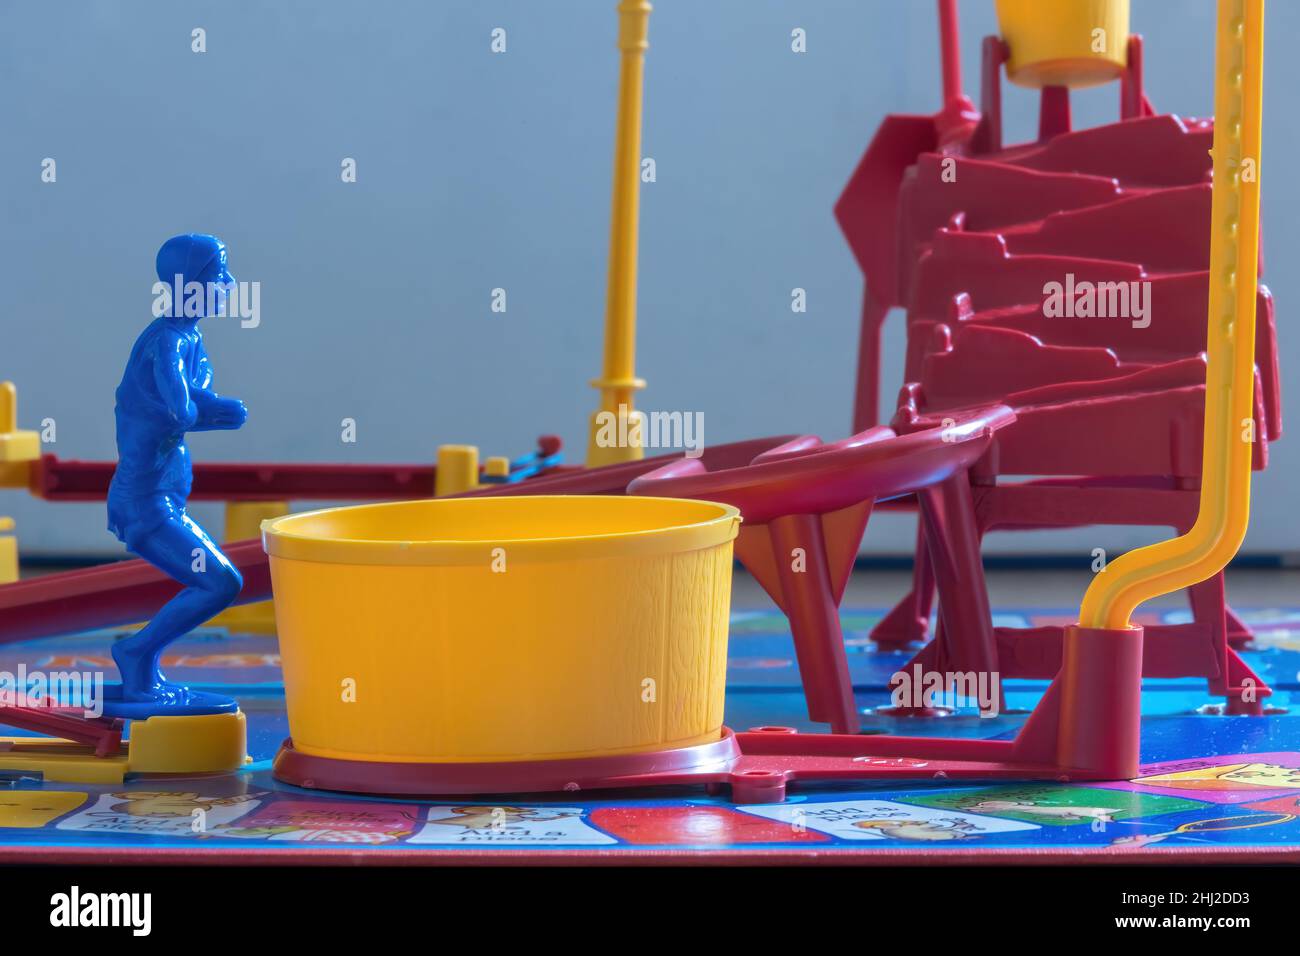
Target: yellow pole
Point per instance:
(616, 428)
(1230, 377)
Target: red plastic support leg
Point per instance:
(809, 602)
(1239, 633)
(1242, 689)
(1246, 690)
(908, 622)
(1209, 608)
(947, 514)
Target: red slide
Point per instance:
(127, 592)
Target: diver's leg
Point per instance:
(182, 549)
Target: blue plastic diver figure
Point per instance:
(166, 391)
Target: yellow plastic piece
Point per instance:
(618, 382)
(244, 520)
(494, 629)
(1075, 43)
(8, 552)
(15, 446)
(1230, 377)
(60, 761)
(212, 743)
(32, 809)
(457, 470)
(497, 466)
(208, 743)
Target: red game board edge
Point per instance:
(847, 856)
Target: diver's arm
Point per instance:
(170, 380)
(217, 412)
(214, 411)
(202, 377)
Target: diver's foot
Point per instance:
(145, 692)
(163, 693)
(162, 698)
(162, 687)
(141, 678)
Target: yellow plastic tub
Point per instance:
(503, 628)
(1075, 43)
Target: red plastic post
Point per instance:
(1099, 729)
(1053, 112)
(1133, 100)
(950, 50)
(988, 135)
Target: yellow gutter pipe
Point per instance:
(1230, 375)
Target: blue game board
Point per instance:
(1211, 787)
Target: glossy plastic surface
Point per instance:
(166, 391)
(503, 628)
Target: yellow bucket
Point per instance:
(1075, 43)
(503, 628)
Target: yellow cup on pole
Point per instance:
(1075, 43)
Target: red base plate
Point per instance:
(757, 766)
(515, 776)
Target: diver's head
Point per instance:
(195, 257)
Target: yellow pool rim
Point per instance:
(686, 525)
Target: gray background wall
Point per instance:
(478, 171)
